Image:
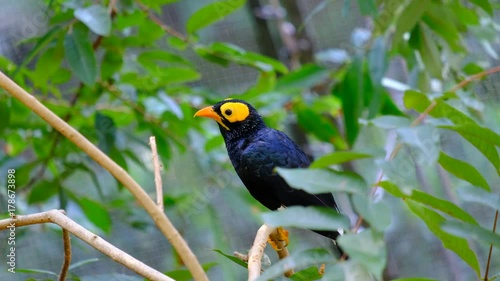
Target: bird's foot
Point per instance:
(321, 269)
(278, 239)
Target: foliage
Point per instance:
(118, 74)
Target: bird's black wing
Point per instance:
(270, 149)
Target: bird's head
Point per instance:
(236, 118)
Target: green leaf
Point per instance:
(462, 170)
(185, 275)
(458, 245)
(232, 258)
(317, 124)
(442, 205)
(391, 122)
(378, 215)
(96, 18)
(42, 191)
(367, 248)
(338, 157)
(367, 7)
(347, 271)
(82, 263)
(419, 102)
(316, 181)
(429, 200)
(156, 56)
(317, 218)
(40, 44)
(48, 63)
(473, 231)
(472, 194)
(4, 114)
(39, 271)
(106, 132)
(297, 259)
(439, 20)
(351, 93)
(80, 56)
(112, 62)
(409, 18)
(303, 78)
(211, 13)
(223, 53)
(421, 39)
(485, 5)
(308, 274)
(484, 139)
(177, 43)
(172, 75)
(96, 213)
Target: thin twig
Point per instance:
(491, 249)
(157, 167)
(58, 217)
(67, 255)
(161, 220)
(168, 29)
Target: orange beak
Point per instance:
(210, 113)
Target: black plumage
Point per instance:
(256, 150)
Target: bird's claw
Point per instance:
(278, 239)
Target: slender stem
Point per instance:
(491, 249)
(157, 167)
(67, 255)
(161, 220)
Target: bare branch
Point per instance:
(67, 255)
(257, 251)
(157, 167)
(58, 217)
(161, 220)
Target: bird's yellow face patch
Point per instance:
(234, 111)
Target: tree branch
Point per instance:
(67, 255)
(58, 217)
(257, 251)
(161, 220)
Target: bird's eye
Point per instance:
(228, 112)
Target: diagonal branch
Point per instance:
(68, 225)
(161, 220)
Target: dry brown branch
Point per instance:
(157, 167)
(161, 220)
(67, 255)
(58, 217)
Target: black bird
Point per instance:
(256, 150)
